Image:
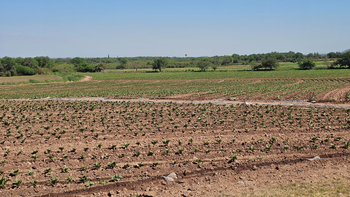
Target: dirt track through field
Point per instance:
(87, 78)
(301, 103)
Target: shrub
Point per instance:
(267, 64)
(24, 70)
(63, 68)
(344, 61)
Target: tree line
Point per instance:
(266, 61)
(44, 65)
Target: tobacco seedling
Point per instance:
(89, 183)
(84, 168)
(3, 182)
(65, 169)
(69, 178)
(48, 170)
(34, 182)
(268, 147)
(273, 139)
(116, 177)
(17, 182)
(53, 180)
(83, 178)
(180, 150)
(51, 157)
(126, 144)
(34, 156)
(126, 166)
(233, 158)
(112, 164)
(333, 146)
(14, 173)
(97, 165)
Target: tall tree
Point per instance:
(160, 63)
(269, 63)
(203, 64)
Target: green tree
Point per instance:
(77, 62)
(203, 64)
(227, 60)
(123, 62)
(135, 64)
(44, 62)
(30, 62)
(19, 60)
(344, 61)
(8, 65)
(269, 63)
(299, 56)
(307, 64)
(160, 63)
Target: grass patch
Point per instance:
(69, 76)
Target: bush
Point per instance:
(344, 61)
(121, 66)
(307, 64)
(24, 70)
(63, 68)
(267, 64)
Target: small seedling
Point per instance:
(233, 158)
(89, 183)
(268, 147)
(17, 182)
(65, 169)
(116, 177)
(53, 180)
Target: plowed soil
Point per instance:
(213, 149)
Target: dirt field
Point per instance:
(94, 148)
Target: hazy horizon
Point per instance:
(62, 29)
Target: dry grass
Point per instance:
(328, 188)
(26, 78)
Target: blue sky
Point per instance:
(85, 28)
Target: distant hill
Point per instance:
(346, 50)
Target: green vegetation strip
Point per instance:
(223, 75)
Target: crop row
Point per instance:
(166, 88)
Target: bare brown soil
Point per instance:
(215, 148)
(87, 78)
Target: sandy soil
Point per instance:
(87, 78)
